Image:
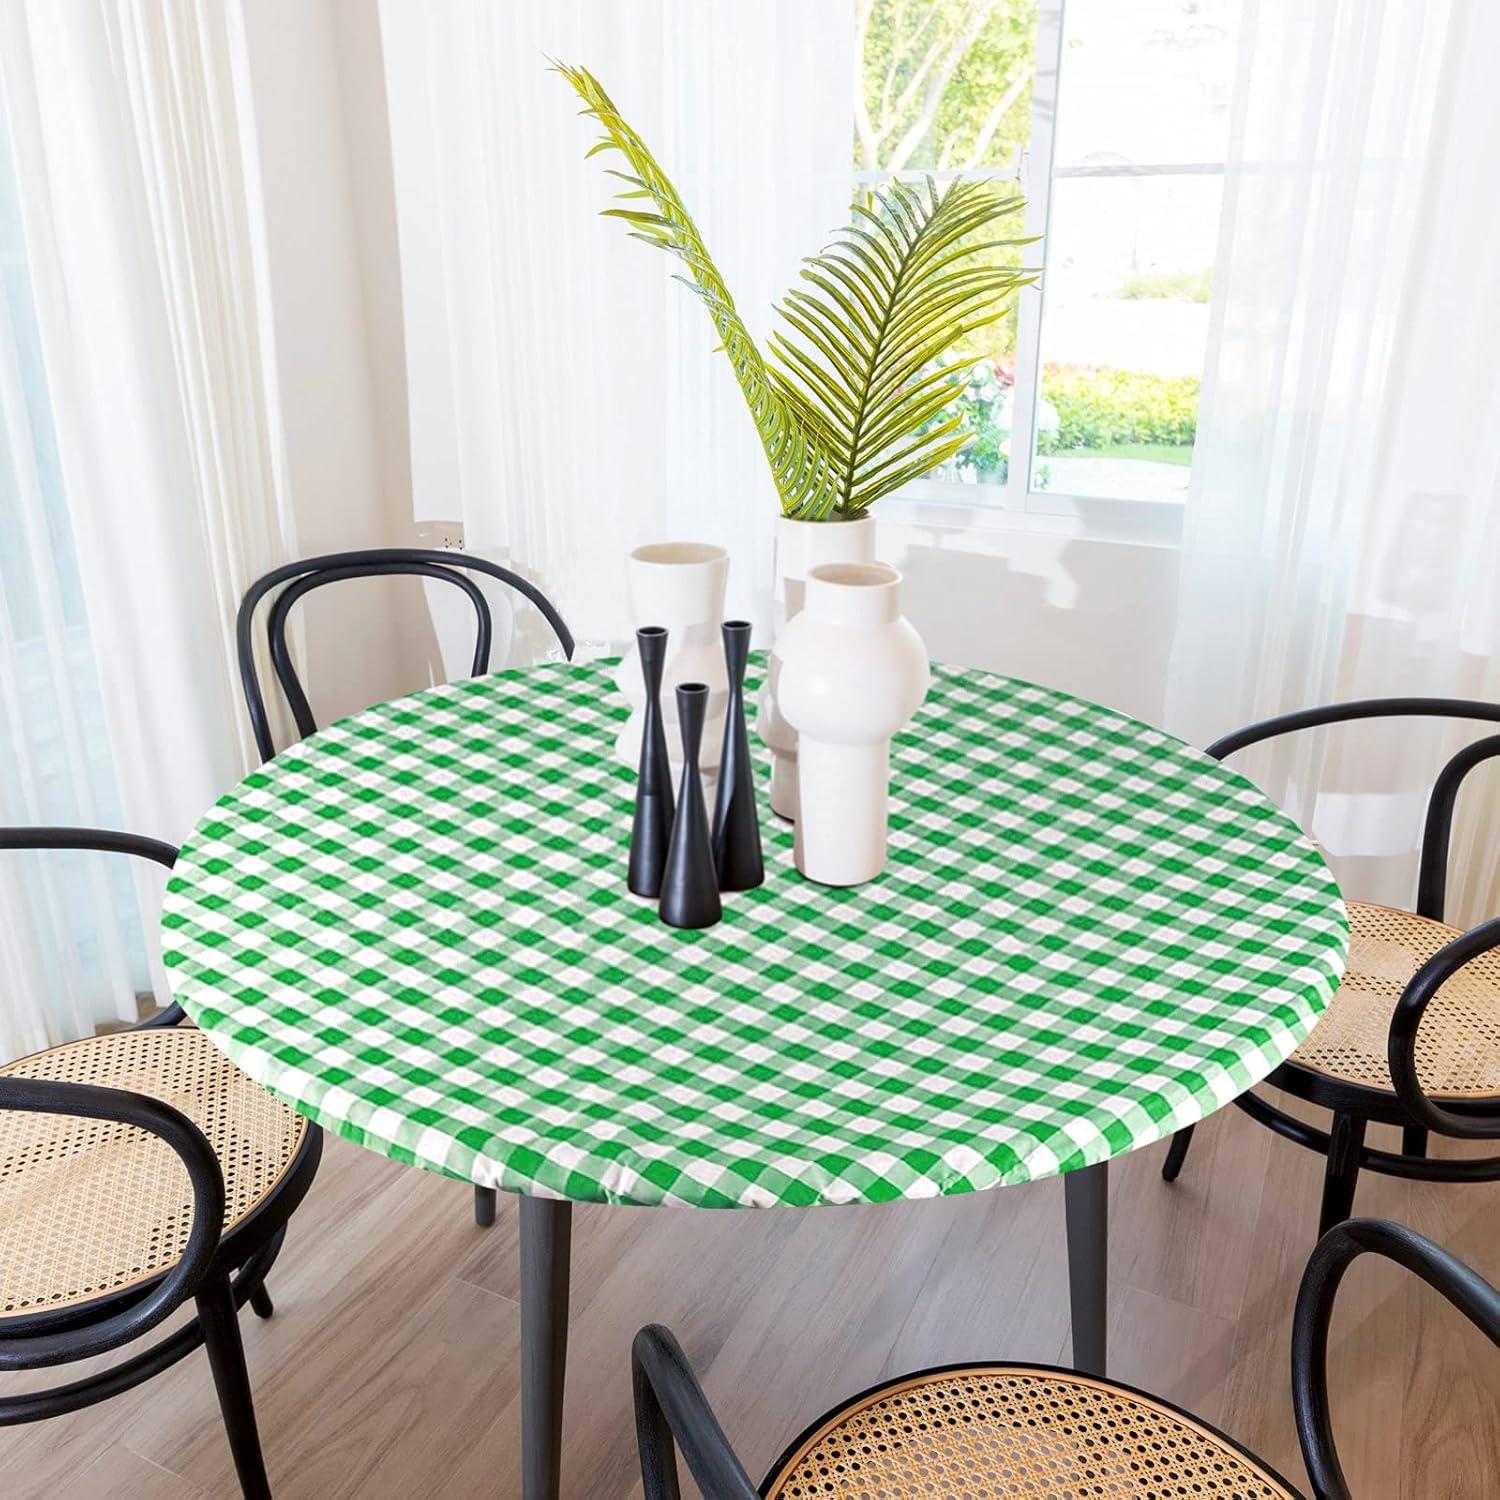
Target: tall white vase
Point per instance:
(853, 672)
(800, 545)
(679, 585)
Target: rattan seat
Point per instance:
(1458, 1043)
(89, 1208)
(987, 1431)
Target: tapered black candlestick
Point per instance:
(652, 830)
(689, 884)
(736, 829)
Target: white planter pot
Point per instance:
(853, 672)
(800, 546)
(679, 585)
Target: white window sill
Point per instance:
(941, 506)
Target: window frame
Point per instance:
(1016, 505)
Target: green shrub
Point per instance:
(1105, 408)
(1170, 286)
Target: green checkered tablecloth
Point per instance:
(414, 928)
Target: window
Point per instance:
(55, 767)
(1112, 121)
(42, 621)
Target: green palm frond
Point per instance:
(852, 408)
(806, 481)
(904, 283)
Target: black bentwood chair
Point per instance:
(299, 578)
(102, 1236)
(1412, 1035)
(1035, 1430)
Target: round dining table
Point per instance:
(414, 928)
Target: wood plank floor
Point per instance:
(390, 1367)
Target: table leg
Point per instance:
(1087, 1195)
(546, 1254)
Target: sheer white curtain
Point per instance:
(566, 402)
(54, 758)
(141, 465)
(1343, 530)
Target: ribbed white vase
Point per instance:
(853, 672)
(800, 545)
(679, 585)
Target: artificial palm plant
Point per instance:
(848, 404)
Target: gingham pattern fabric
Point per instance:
(414, 927)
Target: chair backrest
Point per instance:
(1432, 875)
(1469, 1292)
(103, 841)
(314, 572)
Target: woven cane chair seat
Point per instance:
(1458, 1042)
(90, 1207)
(987, 1431)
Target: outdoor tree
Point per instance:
(942, 84)
(945, 86)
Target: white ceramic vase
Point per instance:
(800, 546)
(679, 585)
(853, 672)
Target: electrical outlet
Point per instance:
(443, 536)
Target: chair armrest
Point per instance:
(1343, 1244)
(670, 1404)
(1342, 713)
(1433, 869)
(100, 841)
(1401, 1045)
(39, 1096)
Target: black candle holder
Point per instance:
(738, 860)
(651, 832)
(690, 884)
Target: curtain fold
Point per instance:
(1343, 527)
(54, 761)
(566, 400)
(142, 430)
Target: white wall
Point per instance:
(320, 125)
(1089, 617)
